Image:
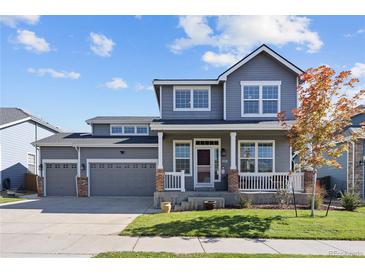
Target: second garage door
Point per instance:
(122, 179)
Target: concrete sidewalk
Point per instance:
(89, 245)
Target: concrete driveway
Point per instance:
(67, 226)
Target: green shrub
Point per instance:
(350, 201)
(245, 202)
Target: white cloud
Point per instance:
(360, 31)
(101, 45)
(139, 17)
(237, 35)
(142, 87)
(116, 83)
(54, 73)
(14, 20)
(32, 42)
(197, 30)
(219, 59)
(358, 70)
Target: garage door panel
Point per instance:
(61, 179)
(122, 179)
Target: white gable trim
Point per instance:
(15, 122)
(223, 77)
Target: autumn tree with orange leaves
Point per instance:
(326, 103)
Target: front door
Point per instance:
(204, 174)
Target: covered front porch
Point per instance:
(240, 161)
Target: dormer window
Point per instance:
(260, 98)
(128, 130)
(192, 98)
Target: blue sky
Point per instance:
(67, 69)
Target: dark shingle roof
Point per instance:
(120, 119)
(12, 115)
(8, 115)
(85, 139)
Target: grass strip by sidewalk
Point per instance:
(131, 254)
(9, 200)
(252, 223)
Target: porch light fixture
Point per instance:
(361, 162)
(122, 152)
(40, 166)
(82, 166)
(223, 152)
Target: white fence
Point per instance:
(175, 181)
(262, 182)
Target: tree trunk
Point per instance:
(313, 192)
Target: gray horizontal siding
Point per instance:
(216, 107)
(282, 151)
(261, 68)
(58, 153)
(338, 175)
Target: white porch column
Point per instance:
(160, 144)
(233, 151)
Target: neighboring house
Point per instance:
(18, 130)
(222, 134)
(350, 176)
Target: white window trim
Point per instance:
(219, 157)
(256, 154)
(35, 162)
(260, 84)
(129, 134)
(190, 154)
(192, 88)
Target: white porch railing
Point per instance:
(175, 181)
(262, 182)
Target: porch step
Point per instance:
(204, 189)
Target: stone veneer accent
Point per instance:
(359, 169)
(40, 186)
(160, 179)
(233, 180)
(82, 187)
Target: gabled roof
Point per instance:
(11, 116)
(262, 48)
(223, 76)
(120, 119)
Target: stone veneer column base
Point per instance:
(82, 187)
(40, 186)
(233, 180)
(160, 180)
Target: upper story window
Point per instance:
(260, 98)
(191, 98)
(128, 130)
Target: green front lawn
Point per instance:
(130, 254)
(252, 223)
(9, 200)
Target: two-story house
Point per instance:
(18, 157)
(214, 137)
